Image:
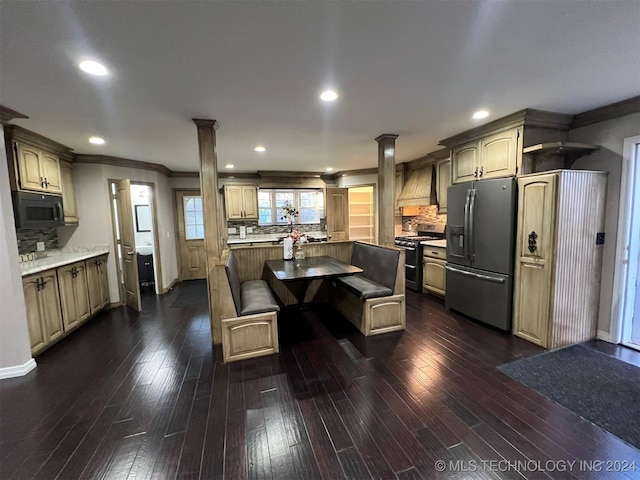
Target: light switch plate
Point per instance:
(231, 230)
(249, 229)
(40, 246)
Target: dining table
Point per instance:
(308, 269)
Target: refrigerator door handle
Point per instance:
(465, 242)
(471, 243)
(476, 275)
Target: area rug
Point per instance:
(191, 293)
(599, 388)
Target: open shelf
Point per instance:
(361, 214)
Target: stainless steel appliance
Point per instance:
(481, 226)
(413, 251)
(35, 210)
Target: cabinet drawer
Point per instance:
(434, 252)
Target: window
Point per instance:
(193, 220)
(309, 203)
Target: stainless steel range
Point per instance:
(413, 251)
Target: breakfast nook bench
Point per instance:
(253, 331)
(374, 300)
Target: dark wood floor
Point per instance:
(145, 396)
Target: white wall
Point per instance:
(184, 183)
(610, 136)
(15, 350)
(92, 191)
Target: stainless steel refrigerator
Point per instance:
(481, 227)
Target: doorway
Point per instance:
(135, 230)
(192, 260)
(626, 307)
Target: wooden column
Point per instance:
(211, 205)
(386, 183)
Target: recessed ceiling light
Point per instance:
(260, 149)
(328, 96)
(329, 169)
(93, 68)
(480, 114)
(228, 165)
(96, 140)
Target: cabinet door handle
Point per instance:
(533, 242)
(42, 182)
(481, 172)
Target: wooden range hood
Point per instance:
(419, 189)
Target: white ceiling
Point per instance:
(418, 69)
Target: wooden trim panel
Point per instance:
(608, 112)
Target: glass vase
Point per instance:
(299, 252)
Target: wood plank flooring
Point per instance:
(140, 396)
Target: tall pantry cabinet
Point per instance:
(559, 256)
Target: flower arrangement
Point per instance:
(289, 212)
(298, 237)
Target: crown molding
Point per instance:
(122, 162)
(529, 117)
(21, 134)
(7, 114)
(607, 112)
(174, 174)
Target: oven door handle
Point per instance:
(409, 266)
(411, 249)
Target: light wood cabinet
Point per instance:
(38, 170)
(98, 284)
(465, 163)
(443, 180)
(74, 294)
(69, 203)
(493, 156)
(44, 316)
(558, 257)
(337, 214)
(241, 202)
(397, 190)
(434, 263)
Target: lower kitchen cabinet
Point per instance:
(44, 316)
(74, 294)
(98, 283)
(434, 276)
(59, 300)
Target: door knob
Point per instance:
(131, 253)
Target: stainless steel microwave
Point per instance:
(36, 211)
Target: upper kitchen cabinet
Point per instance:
(69, 203)
(443, 179)
(241, 202)
(397, 188)
(489, 157)
(501, 148)
(37, 170)
(35, 162)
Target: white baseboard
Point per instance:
(605, 336)
(18, 370)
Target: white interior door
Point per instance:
(128, 245)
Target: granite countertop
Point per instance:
(272, 237)
(59, 258)
(435, 243)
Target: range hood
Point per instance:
(419, 189)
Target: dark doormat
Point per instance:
(191, 293)
(599, 388)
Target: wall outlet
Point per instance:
(249, 229)
(40, 246)
(231, 230)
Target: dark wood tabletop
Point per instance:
(310, 268)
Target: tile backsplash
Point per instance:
(427, 214)
(270, 229)
(28, 238)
